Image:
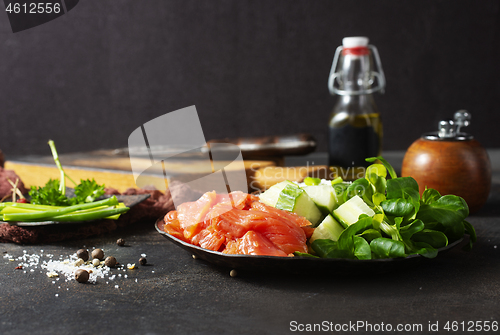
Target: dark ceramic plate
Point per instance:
(128, 200)
(298, 265)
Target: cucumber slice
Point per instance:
(339, 189)
(294, 199)
(349, 212)
(329, 228)
(323, 196)
(270, 197)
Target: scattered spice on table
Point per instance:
(98, 253)
(65, 268)
(110, 261)
(83, 254)
(81, 276)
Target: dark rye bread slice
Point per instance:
(147, 211)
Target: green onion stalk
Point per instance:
(62, 184)
(52, 214)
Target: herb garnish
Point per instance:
(54, 191)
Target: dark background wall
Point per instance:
(90, 77)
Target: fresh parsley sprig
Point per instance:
(88, 191)
(54, 191)
(50, 194)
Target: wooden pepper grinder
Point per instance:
(451, 162)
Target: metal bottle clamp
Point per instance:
(334, 75)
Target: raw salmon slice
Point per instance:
(289, 216)
(209, 239)
(191, 215)
(236, 199)
(284, 234)
(253, 243)
(173, 226)
(237, 223)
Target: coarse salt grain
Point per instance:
(67, 268)
(56, 266)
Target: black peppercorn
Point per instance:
(98, 253)
(120, 242)
(81, 276)
(83, 254)
(143, 261)
(110, 261)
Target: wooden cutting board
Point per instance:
(115, 170)
(111, 170)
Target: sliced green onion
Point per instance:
(89, 216)
(49, 214)
(28, 206)
(62, 180)
(10, 210)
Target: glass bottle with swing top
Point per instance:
(355, 126)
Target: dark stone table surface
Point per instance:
(176, 294)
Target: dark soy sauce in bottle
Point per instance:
(355, 127)
(352, 137)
